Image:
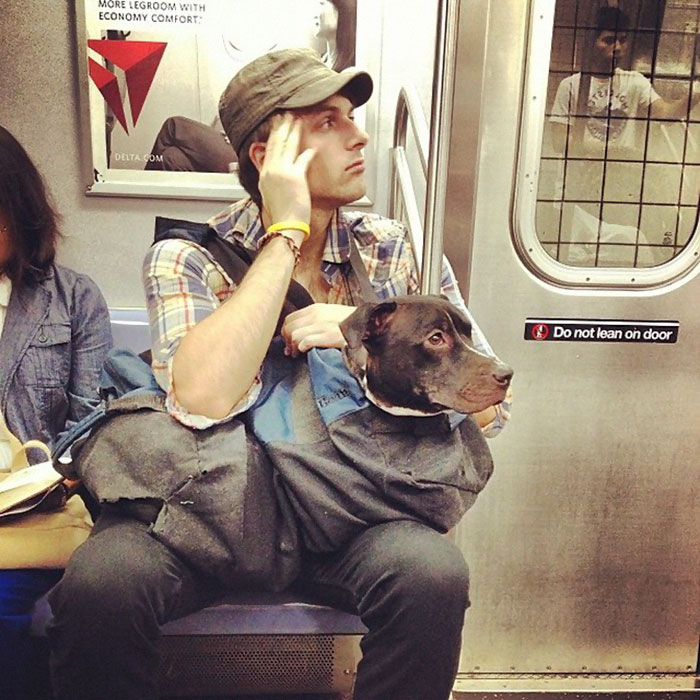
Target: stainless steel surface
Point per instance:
(510, 683)
(460, 190)
(584, 549)
(223, 665)
(540, 693)
(440, 120)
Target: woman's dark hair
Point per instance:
(25, 203)
(345, 33)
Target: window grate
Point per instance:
(620, 168)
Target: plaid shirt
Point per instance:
(184, 284)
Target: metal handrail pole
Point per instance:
(408, 110)
(441, 119)
(404, 186)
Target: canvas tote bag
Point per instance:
(29, 537)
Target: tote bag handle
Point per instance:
(18, 451)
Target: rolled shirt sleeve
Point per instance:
(183, 285)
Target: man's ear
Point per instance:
(256, 153)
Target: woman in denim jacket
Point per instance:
(54, 336)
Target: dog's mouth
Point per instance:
(432, 403)
(470, 401)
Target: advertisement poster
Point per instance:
(152, 73)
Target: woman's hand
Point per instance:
(315, 326)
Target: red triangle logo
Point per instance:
(139, 60)
(106, 83)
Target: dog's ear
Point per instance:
(378, 320)
(367, 323)
(353, 327)
(461, 323)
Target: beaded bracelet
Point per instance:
(267, 237)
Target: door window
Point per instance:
(618, 169)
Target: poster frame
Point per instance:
(101, 179)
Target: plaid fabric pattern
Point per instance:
(184, 284)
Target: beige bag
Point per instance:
(31, 539)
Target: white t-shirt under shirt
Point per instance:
(612, 106)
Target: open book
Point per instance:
(27, 489)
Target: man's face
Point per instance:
(336, 173)
(611, 47)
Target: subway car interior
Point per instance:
(551, 150)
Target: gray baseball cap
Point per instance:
(287, 79)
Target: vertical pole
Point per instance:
(438, 161)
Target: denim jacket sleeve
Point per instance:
(56, 336)
(91, 340)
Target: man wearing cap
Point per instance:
(290, 120)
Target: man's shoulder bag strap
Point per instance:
(233, 257)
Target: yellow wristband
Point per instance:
(291, 226)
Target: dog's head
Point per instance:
(416, 352)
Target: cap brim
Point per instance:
(356, 85)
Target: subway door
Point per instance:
(584, 549)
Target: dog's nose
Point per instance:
(503, 374)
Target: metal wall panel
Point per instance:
(585, 548)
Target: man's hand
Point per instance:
(485, 418)
(235, 337)
(283, 184)
(315, 326)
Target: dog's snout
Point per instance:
(502, 374)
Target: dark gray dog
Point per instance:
(415, 352)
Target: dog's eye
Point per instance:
(436, 338)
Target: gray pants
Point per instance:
(408, 584)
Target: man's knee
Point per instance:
(91, 582)
(437, 569)
(424, 565)
(110, 578)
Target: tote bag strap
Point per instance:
(366, 289)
